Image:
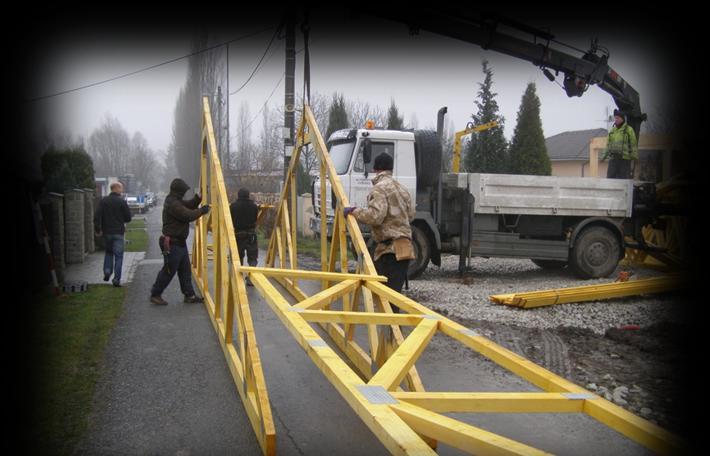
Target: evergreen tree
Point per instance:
(528, 154)
(394, 121)
(487, 150)
(337, 115)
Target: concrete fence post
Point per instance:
(74, 226)
(89, 246)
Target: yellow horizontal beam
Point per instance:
(442, 402)
(394, 370)
(360, 318)
(329, 295)
(310, 275)
(460, 435)
(533, 299)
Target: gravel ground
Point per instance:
(467, 296)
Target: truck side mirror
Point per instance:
(367, 150)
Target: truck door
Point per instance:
(362, 174)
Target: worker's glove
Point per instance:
(205, 209)
(348, 210)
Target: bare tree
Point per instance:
(203, 74)
(143, 163)
(244, 159)
(109, 147)
(360, 112)
(270, 148)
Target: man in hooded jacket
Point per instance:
(244, 214)
(177, 215)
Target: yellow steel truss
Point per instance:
(380, 382)
(225, 293)
(542, 298)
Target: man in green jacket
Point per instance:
(621, 149)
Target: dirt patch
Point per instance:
(643, 370)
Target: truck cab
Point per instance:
(354, 168)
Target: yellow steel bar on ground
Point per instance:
(394, 433)
(590, 292)
(391, 374)
(327, 296)
(460, 435)
(311, 275)
(493, 402)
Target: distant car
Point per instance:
(136, 204)
(150, 199)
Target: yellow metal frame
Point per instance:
(225, 295)
(456, 165)
(380, 382)
(532, 299)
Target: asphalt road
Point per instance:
(166, 388)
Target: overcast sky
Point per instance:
(372, 63)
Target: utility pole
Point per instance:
(289, 99)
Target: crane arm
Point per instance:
(482, 29)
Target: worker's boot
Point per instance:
(158, 301)
(193, 299)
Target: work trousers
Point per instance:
(619, 169)
(247, 244)
(395, 271)
(178, 261)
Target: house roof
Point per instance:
(572, 145)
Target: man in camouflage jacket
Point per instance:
(389, 211)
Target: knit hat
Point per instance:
(383, 162)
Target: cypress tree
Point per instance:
(528, 153)
(394, 121)
(487, 150)
(337, 115)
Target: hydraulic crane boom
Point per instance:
(481, 29)
(456, 165)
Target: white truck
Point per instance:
(555, 221)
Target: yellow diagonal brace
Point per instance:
(329, 295)
(532, 299)
(646, 433)
(460, 435)
(394, 370)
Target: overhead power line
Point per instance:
(256, 68)
(267, 100)
(94, 84)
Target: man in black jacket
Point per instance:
(244, 213)
(177, 215)
(110, 218)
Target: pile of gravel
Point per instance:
(467, 297)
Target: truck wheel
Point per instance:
(596, 253)
(549, 264)
(422, 253)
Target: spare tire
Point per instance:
(427, 156)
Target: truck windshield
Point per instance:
(340, 153)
